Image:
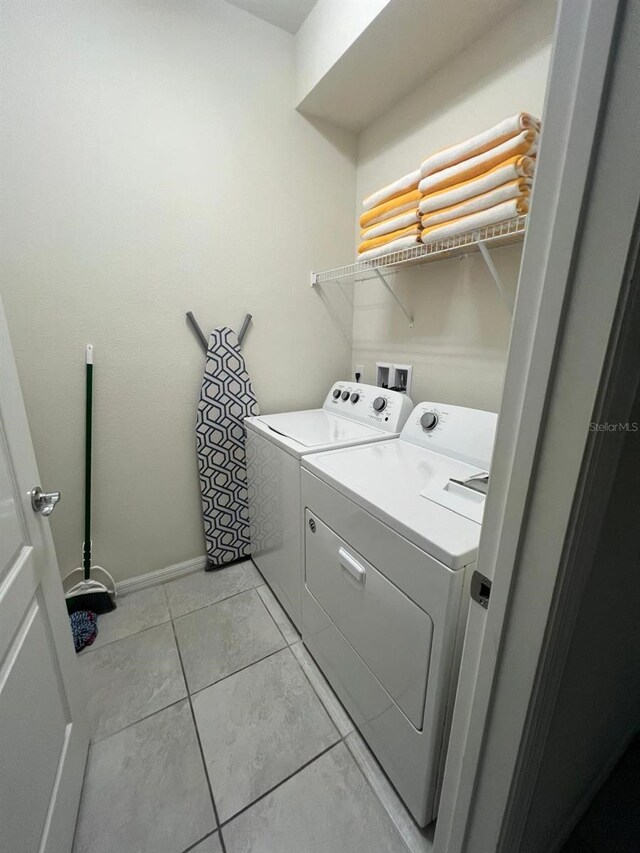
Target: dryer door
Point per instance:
(389, 632)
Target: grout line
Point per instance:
(200, 840)
(88, 649)
(212, 603)
(236, 671)
(146, 717)
(197, 731)
(281, 782)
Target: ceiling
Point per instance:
(286, 14)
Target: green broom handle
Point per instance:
(86, 551)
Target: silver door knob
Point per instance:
(44, 502)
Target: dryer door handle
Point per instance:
(351, 565)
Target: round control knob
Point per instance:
(428, 420)
(379, 404)
(355, 397)
(336, 393)
(345, 395)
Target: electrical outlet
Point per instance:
(359, 373)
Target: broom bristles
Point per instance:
(95, 602)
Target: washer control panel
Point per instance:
(465, 434)
(387, 410)
(429, 421)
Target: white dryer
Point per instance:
(352, 414)
(391, 536)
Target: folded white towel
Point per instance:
(510, 170)
(491, 216)
(512, 189)
(389, 214)
(495, 135)
(524, 143)
(393, 224)
(399, 187)
(393, 246)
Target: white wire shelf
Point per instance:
(491, 236)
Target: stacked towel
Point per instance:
(400, 187)
(391, 219)
(482, 181)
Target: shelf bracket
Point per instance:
(313, 281)
(344, 292)
(398, 301)
(486, 254)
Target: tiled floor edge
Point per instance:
(323, 691)
(296, 637)
(416, 840)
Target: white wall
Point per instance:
(153, 163)
(329, 30)
(461, 336)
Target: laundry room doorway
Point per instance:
(573, 362)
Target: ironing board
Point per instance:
(226, 398)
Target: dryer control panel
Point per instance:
(369, 404)
(464, 434)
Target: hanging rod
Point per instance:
(202, 339)
(244, 329)
(191, 320)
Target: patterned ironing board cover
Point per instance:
(226, 398)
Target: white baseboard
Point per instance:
(160, 575)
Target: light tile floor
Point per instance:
(215, 732)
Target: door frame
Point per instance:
(569, 364)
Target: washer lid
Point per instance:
(316, 428)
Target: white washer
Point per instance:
(391, 536)
(352, 414)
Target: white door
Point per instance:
(44, 732)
